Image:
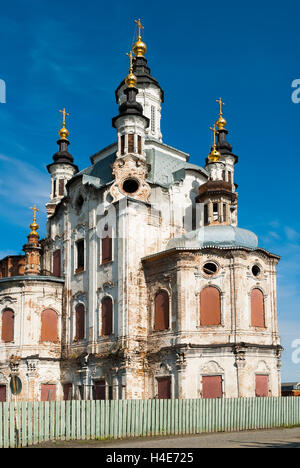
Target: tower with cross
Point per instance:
(62, 168)
(32, 249)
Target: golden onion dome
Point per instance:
(63, 133)
(214, 155)
(221, 122)
(34, 227)
(130, 80)
(139, 48)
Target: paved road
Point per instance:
(275, 438)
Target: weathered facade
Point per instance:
(145, 286)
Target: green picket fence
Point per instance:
(28, 423)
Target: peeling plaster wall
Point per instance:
(37, 362)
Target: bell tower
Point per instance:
(32, 248)
(130, 168)
(62, 169)
(218, 194)
(150, 94)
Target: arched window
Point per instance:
(79, 322)
(8, 324)
(161, 313)
(107, 316)
(210, 307)
(49, 327)
(257, 308)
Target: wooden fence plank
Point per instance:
(30, 423)
(83, 419)
(24, 424)
(12, 424)
(93, 419)
(97, 417)
(68, 419)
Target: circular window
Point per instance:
(210, 268)
(130, 185)
(256, 271)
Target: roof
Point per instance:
(291, 385)
(166, 169)
(216, 236)
(32, 278)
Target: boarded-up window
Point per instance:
(257, 308)
(210, 307)
(106, 249)
(56, 263)
(2, 393)
(67, 389)
(107, 316)
(80, 254)
(99, 390)
(61, 187)
(230, 177)
(131, 143)
(49, 328)
(212, 386)
(8, 319)
(262, 385)
(161, 314)
(139, 144)
(48, 392)
(80, 322)
(122, 144)
(164, 387)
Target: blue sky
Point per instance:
(72, 55)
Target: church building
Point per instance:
(144, 286)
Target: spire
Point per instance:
(34, 226)
(221, 122)
(223, 146)
(64, 132)
(32, 248)
(62, 155)
(214, 155)
(139, 48)
(130, 79)
(130, 106)
(140, 66)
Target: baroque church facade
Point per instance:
(145, 286)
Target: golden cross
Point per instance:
(213, 129)
(35, 210)
(221, 104)
(131, 58)
(64, 113)
(140, 26)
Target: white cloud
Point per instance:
(291, 234)
(21, 185)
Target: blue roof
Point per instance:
(165, 169)
(215, 236)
